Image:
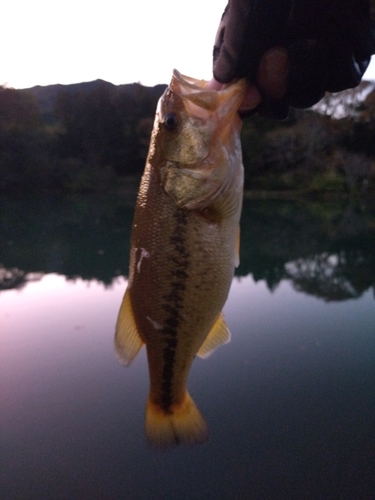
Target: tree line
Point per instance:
(92, 137)
(325, 248)
(84, 141)
(330, 148)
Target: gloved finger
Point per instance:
(272, 83)
(273, 71)
(229, 41)
(247, 29)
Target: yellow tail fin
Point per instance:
(181, 424)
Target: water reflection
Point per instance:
(325, 249)
(290, 401)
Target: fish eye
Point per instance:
(170, 121)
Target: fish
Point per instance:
(183, 251)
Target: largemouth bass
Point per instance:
(184, 248)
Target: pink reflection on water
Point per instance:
(55, 329)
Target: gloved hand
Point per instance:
(293, 51)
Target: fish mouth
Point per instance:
(192, 83)
(202, 101)
(199, 101)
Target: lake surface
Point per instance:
(290, 401)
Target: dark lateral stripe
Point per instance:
(173, 303)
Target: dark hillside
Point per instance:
(92, 136)
(46, 95)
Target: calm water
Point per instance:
(290, 402)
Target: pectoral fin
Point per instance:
(237, 249)
(218, 336)
(127, 339)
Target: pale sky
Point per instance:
(45, 42)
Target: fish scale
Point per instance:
(183, 250)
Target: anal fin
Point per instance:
(127, 339)
(218, 335)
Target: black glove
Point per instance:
(329, 44)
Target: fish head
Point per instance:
(195, 144)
